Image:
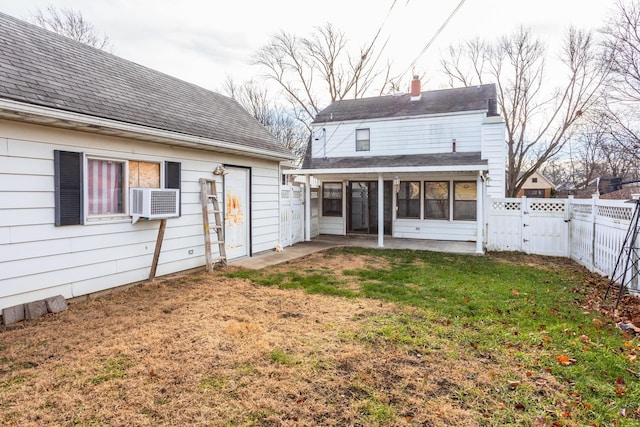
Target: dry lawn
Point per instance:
(208, 350)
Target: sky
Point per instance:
(206, 41)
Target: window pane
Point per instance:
(105, 187)
(362, 139)
(409, 199)
(332, 199)
(464, 205)
(436, 203)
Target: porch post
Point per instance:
(479, 213)
(381, 203)
(307, 208)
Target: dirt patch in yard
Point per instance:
(208, 350)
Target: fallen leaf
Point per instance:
(565, 360)
(515, 292)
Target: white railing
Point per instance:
(591, 232)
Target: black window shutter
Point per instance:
(68, 187)
(172, 179)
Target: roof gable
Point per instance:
(474, 98)
(45, 69)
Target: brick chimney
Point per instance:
(415, 88)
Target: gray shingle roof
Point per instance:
(431, 102)
(409, 160)
(42, 68)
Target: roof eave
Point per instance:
(393, 169)
(38, 114)
(404, 117)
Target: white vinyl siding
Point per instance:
(41, 260)
(422, 135)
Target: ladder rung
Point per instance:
(217, 242)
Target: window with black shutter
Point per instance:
(68, 187)
(172, 179)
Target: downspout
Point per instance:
(307, 208)
(479, 213)
(381, 211)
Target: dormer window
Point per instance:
(362, 140)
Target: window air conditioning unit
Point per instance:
(154, 203)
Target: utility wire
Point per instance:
(442, 27)
(375, 38)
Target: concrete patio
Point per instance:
(323, 242)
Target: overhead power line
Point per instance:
(435, 36)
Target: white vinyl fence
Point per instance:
(591, 231)
(292, 214)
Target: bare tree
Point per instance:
(622, 52)
(318, 69)
(537, 125)
(282, 124)
(70, 23)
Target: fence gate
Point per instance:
(291, 215)
(533, 226)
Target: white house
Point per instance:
(79, 128)
(417, 165)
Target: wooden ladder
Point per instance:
(208, 193)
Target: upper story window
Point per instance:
(534, 180)
(409, 199)
(362, 140)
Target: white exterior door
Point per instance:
(236, 212)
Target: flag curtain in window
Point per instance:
(104, 178)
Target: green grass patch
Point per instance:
(212, 382)
(525, 315)
(281, 357)
(111, 369)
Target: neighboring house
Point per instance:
(417, 165)
(537, 185)
(625, 193)
(79, 128)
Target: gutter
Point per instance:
(95, 123)
(394, 169)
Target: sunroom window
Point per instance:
(409, 199)
(436, 200)
(464, 203)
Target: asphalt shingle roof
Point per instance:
(42, 68)
(408, 160)
(431, 102)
